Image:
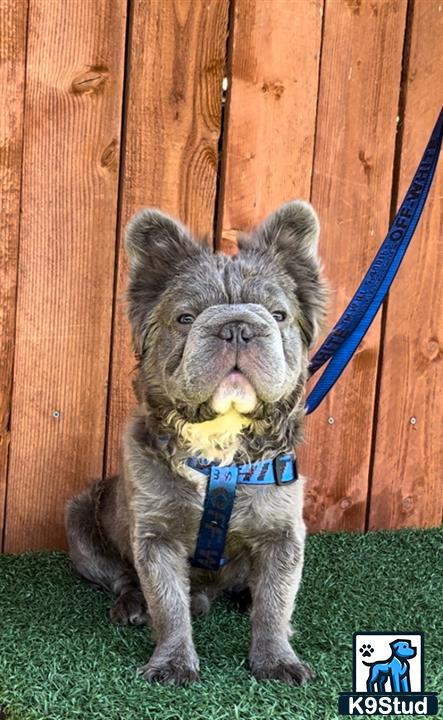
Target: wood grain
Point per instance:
(270, 135)
(67, 246)
(407, 489)
(172, 132)
(356, 127)
(60, 319)
(12, 77)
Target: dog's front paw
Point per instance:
(288, 670)
(173, 670)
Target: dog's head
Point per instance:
(218, 336)
(403, 649)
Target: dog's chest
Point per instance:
(262, 509)
(256, 510)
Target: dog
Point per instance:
(222, 347)
(396, 669)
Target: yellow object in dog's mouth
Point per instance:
(217, 439)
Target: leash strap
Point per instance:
(342, 342)
(219, 501)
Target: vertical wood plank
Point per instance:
(356, 127)
(272, 108)
(12, 77)
(407, 489)
(177, 61)
(67, 246)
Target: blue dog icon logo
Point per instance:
(396, 668)
(388, 676)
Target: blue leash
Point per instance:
(343, 340)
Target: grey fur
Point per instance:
(133, 534)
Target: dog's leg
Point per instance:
(370, 683)
(97, 561)
(395, 681)
(275, 578)
(405, 685)
(163, 570)
(382, 680)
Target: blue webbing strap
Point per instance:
(217, 510)
(279, 471)
(348, 332)
(219, 500)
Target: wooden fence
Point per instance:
(111, 105)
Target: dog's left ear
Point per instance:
(291, 233)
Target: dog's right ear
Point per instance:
(157, 246)
(291, 234)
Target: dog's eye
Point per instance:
(185, 319)
(279, 316)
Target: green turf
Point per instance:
(60, 658)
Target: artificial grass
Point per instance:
(61, 659)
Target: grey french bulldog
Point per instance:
(222, 347)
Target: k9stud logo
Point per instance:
(388, 676)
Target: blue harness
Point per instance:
(336, 350)
(219, 500)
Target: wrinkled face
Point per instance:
(230, 333)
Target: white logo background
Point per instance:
(382, 652)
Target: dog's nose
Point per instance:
(236, 333)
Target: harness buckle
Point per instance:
(279, 464)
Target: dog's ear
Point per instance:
(291, 233)
(157, 246)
